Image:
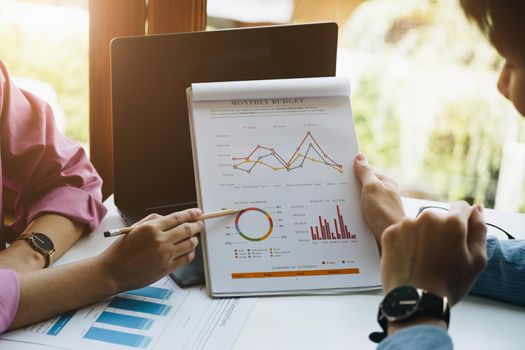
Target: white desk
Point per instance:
(343, 321)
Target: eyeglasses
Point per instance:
(492, 230)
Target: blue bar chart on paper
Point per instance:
(129, 314)
(131, 320)
(158, 316)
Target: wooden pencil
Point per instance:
(213, 215)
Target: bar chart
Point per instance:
(160, 316)
(323, 230)
(126, 319)
(133, 310)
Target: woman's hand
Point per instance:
(157, 246)
(440, 253)
(380, 200)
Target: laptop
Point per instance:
(153, 166)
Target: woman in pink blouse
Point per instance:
(59, 199)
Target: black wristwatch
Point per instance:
(407, 302)
(42, 244)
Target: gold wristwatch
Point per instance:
(42, 244)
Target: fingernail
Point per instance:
(479, 207)
(361, 158)
(196, 212)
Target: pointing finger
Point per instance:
(184, 231)
(175, 219)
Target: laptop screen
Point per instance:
(153, 164)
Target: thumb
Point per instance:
(477, 233)
(363, 171)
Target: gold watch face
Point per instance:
(42, 242)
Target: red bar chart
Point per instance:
(323, 230)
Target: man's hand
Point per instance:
(380, 200)
(440, 253)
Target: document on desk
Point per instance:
(282, 151)
(160, 316)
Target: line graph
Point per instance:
(308, 149)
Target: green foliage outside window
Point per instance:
(426, 106)
(57, 58)
(424, 97)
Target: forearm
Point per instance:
(21, 257)
(418, 337)
(143, 256)
(50, 292)
(504, 277)
(419, 321)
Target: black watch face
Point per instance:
(400, 302)
(42, 242)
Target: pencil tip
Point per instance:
(106, 234)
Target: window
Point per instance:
(424, 94)
(45, 49)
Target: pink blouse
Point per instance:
(48, 172)
(9, 294)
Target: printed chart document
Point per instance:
(160, 316)
(281, 150)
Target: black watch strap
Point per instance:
(436, 306)
(429, 304)
(377, 337)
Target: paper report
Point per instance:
(281, 150)
(159, 316)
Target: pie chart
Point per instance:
(254, 224)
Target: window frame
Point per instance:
(107, 20)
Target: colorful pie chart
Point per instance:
(254, 224)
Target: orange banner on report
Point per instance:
(271, 274)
